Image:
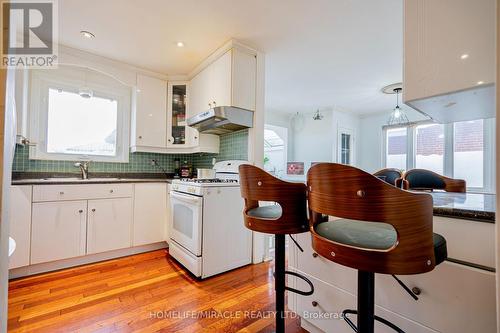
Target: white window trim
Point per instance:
(40, 84)
(488, 153)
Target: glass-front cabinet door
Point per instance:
(177, 130)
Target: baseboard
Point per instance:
(78, 261)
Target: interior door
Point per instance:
(58, 230)
(110, 225)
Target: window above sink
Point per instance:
(79, 114)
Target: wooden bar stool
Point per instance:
(422, 179)
(389, 175)
(378, 229)
(287, 216)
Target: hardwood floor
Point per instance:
(148, 292)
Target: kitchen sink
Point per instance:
(76, 179)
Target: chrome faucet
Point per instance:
(84, 168)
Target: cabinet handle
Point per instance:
(80, 211)
(314, 303)
(315, 255)
(215, 104)
(195, 137)
(210, 105)
(111, 191)
(61, 193)
(169, 140)
(416, 290)
(93, 209)
(140, 136)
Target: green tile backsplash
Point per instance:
(232, 146)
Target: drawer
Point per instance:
(468, 240)
(449, 291)
(324, 308)
(454, 298)
(188, 260)
(81, 192)
(319, 267)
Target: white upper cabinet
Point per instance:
(200, 90)
(179, 135)
(220, 81)
(149, 128)
(228, 81)
(449, 58)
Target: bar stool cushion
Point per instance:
(271, 212)
(370, 235)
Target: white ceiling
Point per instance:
(319, 53)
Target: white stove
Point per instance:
(226, 175)
(207, 234)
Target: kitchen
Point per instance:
(125, 190)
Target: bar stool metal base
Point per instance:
(366, 306)
(280, 282)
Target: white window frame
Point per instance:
(42, 81)
(488, 152)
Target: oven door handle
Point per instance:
(185, 197)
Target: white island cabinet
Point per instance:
(451, 290)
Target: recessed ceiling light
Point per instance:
(180, 44)
(480, 82)
(87, 34)
(464, 56)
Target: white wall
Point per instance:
(316, 140)
(313, 142)
(282, 120)
(371, 139)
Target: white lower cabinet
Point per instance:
(109, 224)
(20, 225)
(150, 213)
(58, 230)
(55, 222)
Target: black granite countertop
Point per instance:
(41, 178)
(469, 206)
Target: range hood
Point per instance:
(222, 120)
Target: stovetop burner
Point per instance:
(208, 181)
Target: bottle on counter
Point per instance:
(186, 170)
(177, 168)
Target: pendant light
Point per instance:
(397, 117)
(85, 91)
(317, 116)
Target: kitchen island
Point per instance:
(457, 296)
